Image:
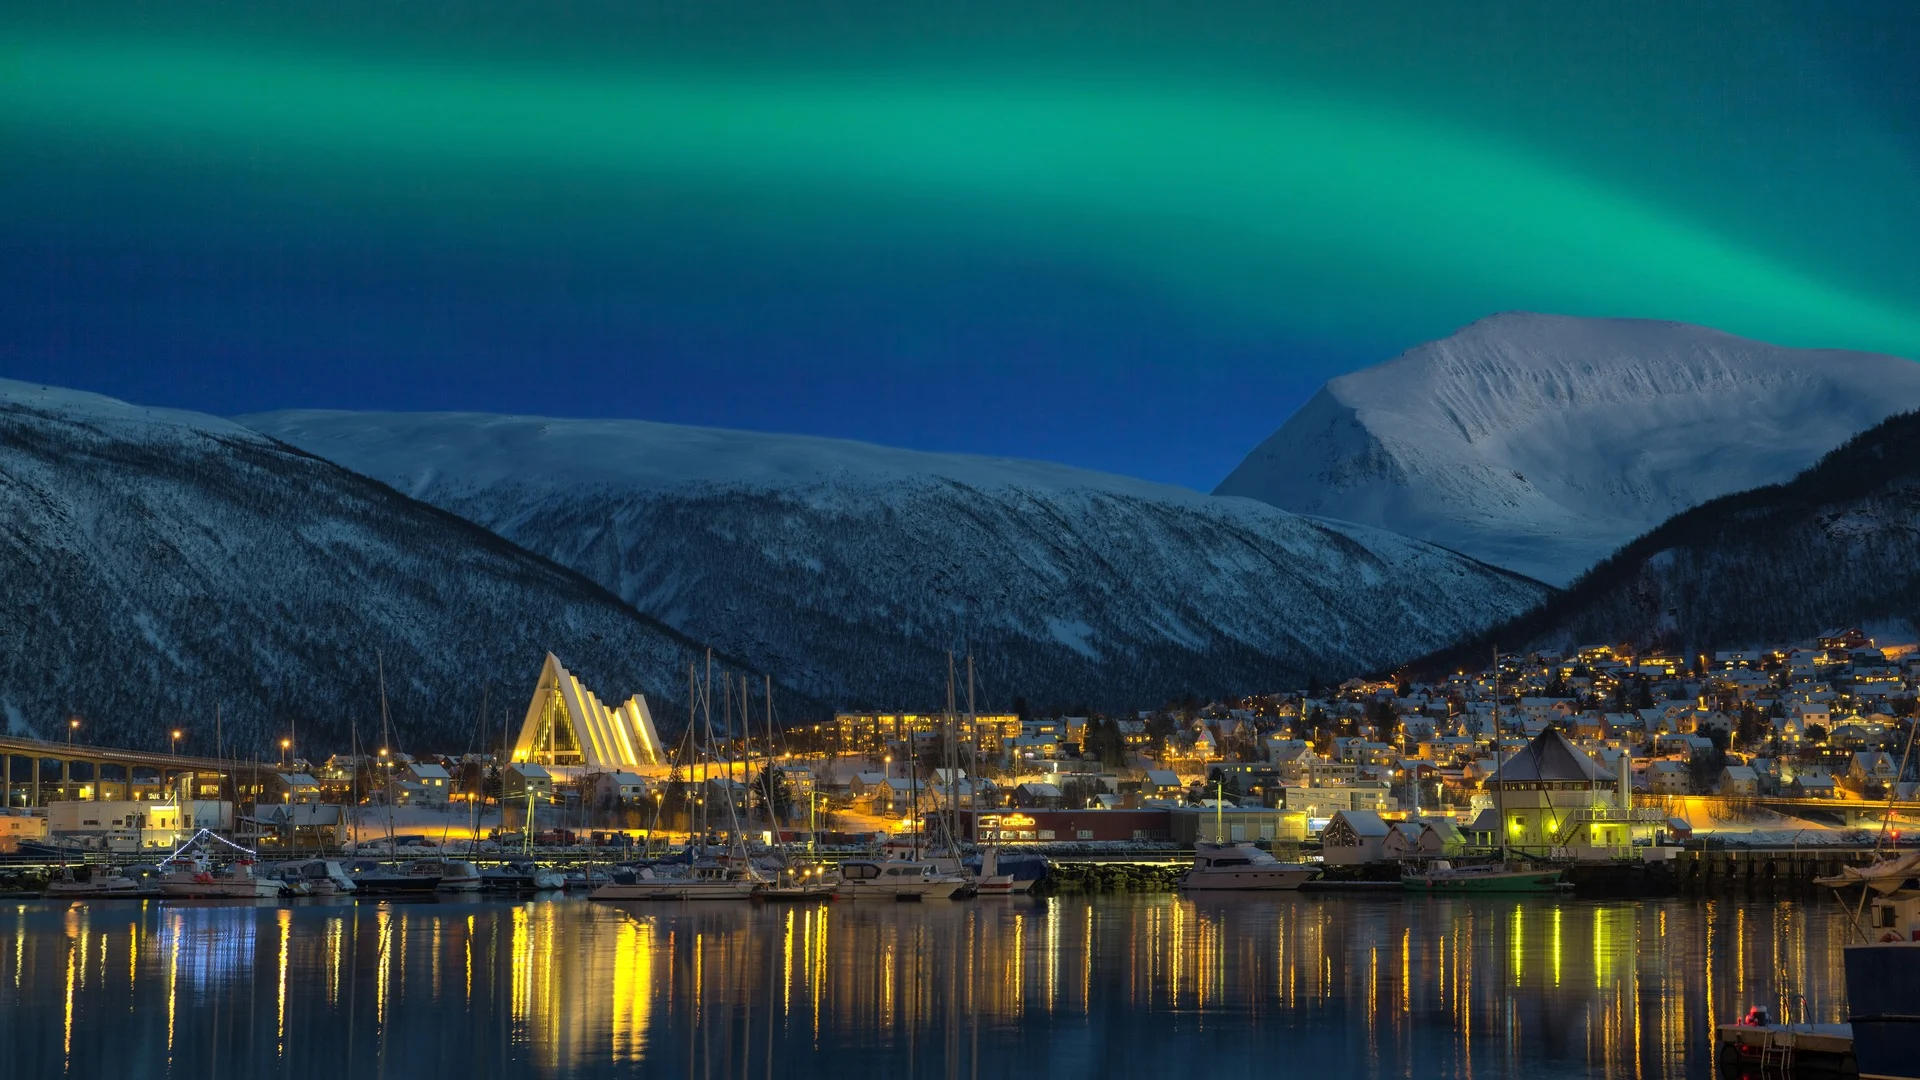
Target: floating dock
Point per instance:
(1785, 1051)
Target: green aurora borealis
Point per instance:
(1279, 201)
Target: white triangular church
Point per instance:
(569, 729)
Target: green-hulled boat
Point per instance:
(1443, 877)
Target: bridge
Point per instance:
(34, 773)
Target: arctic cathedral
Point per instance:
(571, 733)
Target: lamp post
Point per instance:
(73, 725)
(173, 743)
(285, 745)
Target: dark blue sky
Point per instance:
(1134, 241)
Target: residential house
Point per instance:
(1739, 781)
(1354, 837)
(618, 788)
(436, 785)
(1665, 776)
(295, 788)
(1870, 767)
(1037, 796)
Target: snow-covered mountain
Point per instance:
(1541, 443)
(1838, 545)
(849, 569)
(160, 563)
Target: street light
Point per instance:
(73, 725)
(174, 744)
(285, 745)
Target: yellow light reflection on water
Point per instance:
(285, 917)
(1556, 945)
(632, 991)
(1519, 936)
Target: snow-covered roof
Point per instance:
(1362, 822)
(1549, 758)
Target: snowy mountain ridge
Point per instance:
(162, 564)
(1541, 443)
(850, 569)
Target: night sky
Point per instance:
(1132, 236)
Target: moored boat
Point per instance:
(1883, 967)
(374, 881)
(93, 882)
(1441, 876)
(198, 879)
(451, 875)
(318, 877)
(1242, 867)
(897, 879)
(706, 880)
(520, 876)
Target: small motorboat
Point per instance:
(520, 876)
(897, 879)
(450, 875)
(800, 884)
(707, 879)
(314, 877)
(92, 883)
(987, 878)
(590, 878)
(375, 881)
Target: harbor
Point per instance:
(1449, 987)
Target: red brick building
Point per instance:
(1050, 826)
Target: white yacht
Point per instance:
(701, 881)
(897, 879)
(1242, 867)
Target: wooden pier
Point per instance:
(1762, 871)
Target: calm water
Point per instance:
(1289, 986)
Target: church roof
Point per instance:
(1550, 757)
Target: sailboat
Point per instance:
(794, 881)
(374, 880)
(699, 876)
(1504, 876)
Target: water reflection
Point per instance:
(1342, 986)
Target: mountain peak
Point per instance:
(1542, 442)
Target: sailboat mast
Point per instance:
(1499, 785)
(386, 738)
(951, 756)
(973, 750)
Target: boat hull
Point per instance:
(666, 889)
(795, 893)
(1283, 879)
(1883, 996)
(95, 892)
(220, 890)
(1513, 882)
(900, 890)
(373, 888)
